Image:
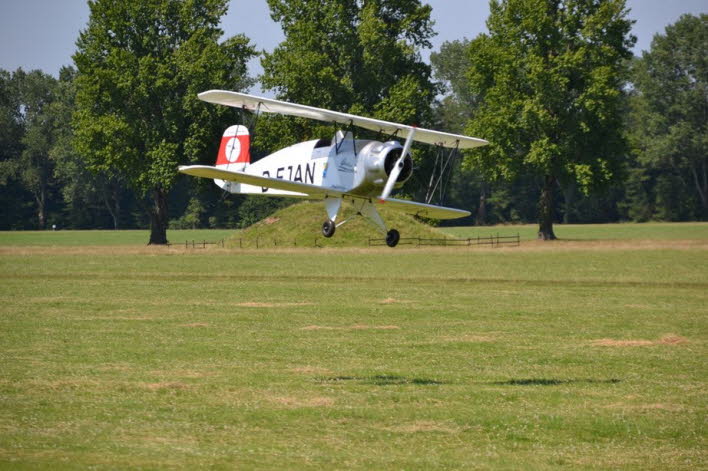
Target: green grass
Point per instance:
(625, 231)
(519, 358)
(106, 238)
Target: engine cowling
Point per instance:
(380, 157)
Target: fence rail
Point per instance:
(196, 244)
(262, 242)
(493, 240)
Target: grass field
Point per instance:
(581, 355)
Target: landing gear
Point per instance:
(392, 238)
(328, 228)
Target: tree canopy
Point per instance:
(140, 66)
(549, 87)
(670, 116)
(550, 76)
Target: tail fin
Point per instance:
(234, 152)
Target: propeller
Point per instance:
(397, 167)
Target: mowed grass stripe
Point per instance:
(333, 279)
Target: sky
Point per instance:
(41, 34)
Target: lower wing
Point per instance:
(318, 192)
(425, 210)
(304, 189)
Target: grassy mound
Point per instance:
(301, 224)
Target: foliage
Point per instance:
(549, 76)
(43, 173)
(350, 56)
(450, 66)
(141, 65)
(32, 165)
(14, 208)
(669, 113)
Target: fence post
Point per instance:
(256, 241)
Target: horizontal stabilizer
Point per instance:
(304, 189)
(269, 105)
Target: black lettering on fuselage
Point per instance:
(297, 177)
(266, 173)
(310, 173)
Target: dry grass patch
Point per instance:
(171, 385)
(393, 301)
(425, 426)
(296, 403)
(260, 304)
(669, 339)
(352, 327)
(468, 338)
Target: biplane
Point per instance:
(360, 171)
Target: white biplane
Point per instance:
(363, 172)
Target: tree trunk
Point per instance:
(158, 218)
(111, 201)
(41, 210)
(481, 218)
(545, 210)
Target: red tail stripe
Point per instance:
(243, 149)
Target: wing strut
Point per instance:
(441, 174)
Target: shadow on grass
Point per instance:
(381, 380)
(553, 382)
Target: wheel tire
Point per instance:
(392, 238)
(328, 228)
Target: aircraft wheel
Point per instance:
(328, 228)
(392, 238)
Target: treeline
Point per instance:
(69, 157)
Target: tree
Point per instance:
(13, 211)
(670, 112)
(27, 136)
(353, 56)
(140, 66)
(450, 66)
(550, 76)
(90, 198)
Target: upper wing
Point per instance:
(425, 210)
(269, 105)
(304, 189)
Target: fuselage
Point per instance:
(344, 164)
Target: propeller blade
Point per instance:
(396, 170)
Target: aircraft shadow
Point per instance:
(381, 380)
(553, 382)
